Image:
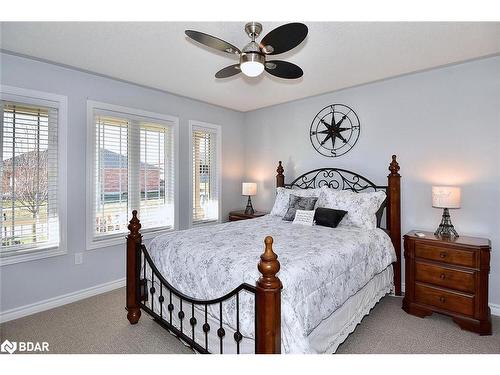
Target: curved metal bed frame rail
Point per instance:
(244, 286)
(167, 322)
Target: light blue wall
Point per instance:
(443, 124)
(30, 282)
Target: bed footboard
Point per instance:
(148, 290)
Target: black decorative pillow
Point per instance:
(328, 217)
(299, 203)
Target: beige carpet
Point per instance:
(99, 325)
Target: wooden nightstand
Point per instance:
(448, 276)
(240, 215)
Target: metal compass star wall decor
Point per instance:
(334, 130)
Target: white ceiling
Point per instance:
(335, 55)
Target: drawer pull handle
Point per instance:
(442, 299)
(443, 254)
(442, 276)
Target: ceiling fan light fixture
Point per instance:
(252, 58)
(252, 64)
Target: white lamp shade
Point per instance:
(446, 197)
(249, 188)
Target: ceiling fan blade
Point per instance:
(228, 71)
(213, 42)
(283, 38)
(283, 69)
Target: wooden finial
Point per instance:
(269, 267)
(394, 166)
(280, 169)
(134, 227)
(268, 303)
(280, 177)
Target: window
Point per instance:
(205, 172)
(30, 174)
(132, 167)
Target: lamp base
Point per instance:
(446, 228)
(249, 209)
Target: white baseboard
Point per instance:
(495, 309)
(51, 303)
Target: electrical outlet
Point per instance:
(78, 258)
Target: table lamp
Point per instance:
(446, 197)
(250, 189)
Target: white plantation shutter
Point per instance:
(29, 177)
(156, 176)
(133, 168)
(110, 208)
(205, 175)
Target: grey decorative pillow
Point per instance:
(299, 203)
(283, 198)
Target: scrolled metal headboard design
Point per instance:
(334, 178)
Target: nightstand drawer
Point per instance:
(446, 300)
(446, 255)
(447, 277)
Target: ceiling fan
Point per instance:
(253, 55)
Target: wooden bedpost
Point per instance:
(268, 303)
(134, 240)
(394, 218)
(280, 177)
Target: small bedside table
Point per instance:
(450, 277)
(240, 215)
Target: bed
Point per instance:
(202, 284)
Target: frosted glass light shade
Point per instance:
(252, 68)
(249, 188)
(446, 196)
(252, 62)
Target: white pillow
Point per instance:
(361, 207)
(304, 217)
(283, 196)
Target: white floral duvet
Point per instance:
(321, 268)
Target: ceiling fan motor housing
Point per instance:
(252, 52)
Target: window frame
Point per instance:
(117, 239)
(45, 99)
(194, 124)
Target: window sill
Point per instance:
(35, 254)
(121, 239)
